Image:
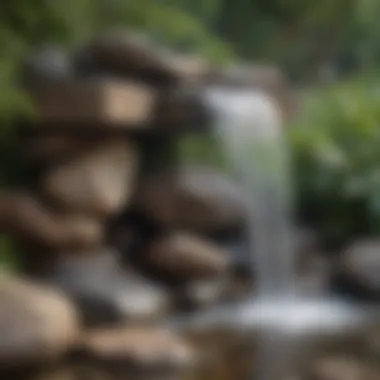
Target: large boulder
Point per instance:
(184, 257)
(105, 293)
(37, 324)
(138, 350)
(24, 217)
(192, 198)
(98, 182)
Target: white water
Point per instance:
(249, 128)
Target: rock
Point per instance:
(358, 271)
(145, 350)
(177, 110)
(192, 198)
(124, 53)
(105, 105)
(185, 257)
(49, 64)
(200, 294)
(99, 182)
(341, 368)
(24, 217)
(37, 324)
(106, 294)
(49, 149)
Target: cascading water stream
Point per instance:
(248, 126)
(255, 148)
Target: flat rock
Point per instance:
(191, 198)
(37, 324)
(98, 182)
(185, 257)
(107, 294)
(26, 218)
(93, 104)
(141, 349)
(341, 368)
(125, 53)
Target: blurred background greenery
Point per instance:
(329, 48)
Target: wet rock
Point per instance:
(200, 294)
(138, 350)
(24, 217)
(98, 182)
(192, 198)
(184, 257)
(107, 294)
(341, 368)
(37, 324)
(358, 271)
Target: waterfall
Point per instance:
(248, 126)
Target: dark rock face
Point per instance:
(184, 257)
(106, 294)
(357, 273)
(37, 324)
(138, 350)
(193, 198)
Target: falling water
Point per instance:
(249, 128)
(248, 125)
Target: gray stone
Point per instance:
(105, 293)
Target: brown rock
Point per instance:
(341, 368)
(36, 323)
(192, 198)
(25, 218)
(107, 294)
(48, 149)
(93, 104)
(126, 53)
(185, 257)
(99, 182)
(138, 348)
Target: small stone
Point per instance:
(184, 257)
(358, 272)
(192, 198)
(37, 324)
(142, 349)
(24, 217)
(341, 368)
(99, 182)
(105, 293)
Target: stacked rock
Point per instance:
(112, 234)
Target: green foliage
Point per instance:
(336, 149)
